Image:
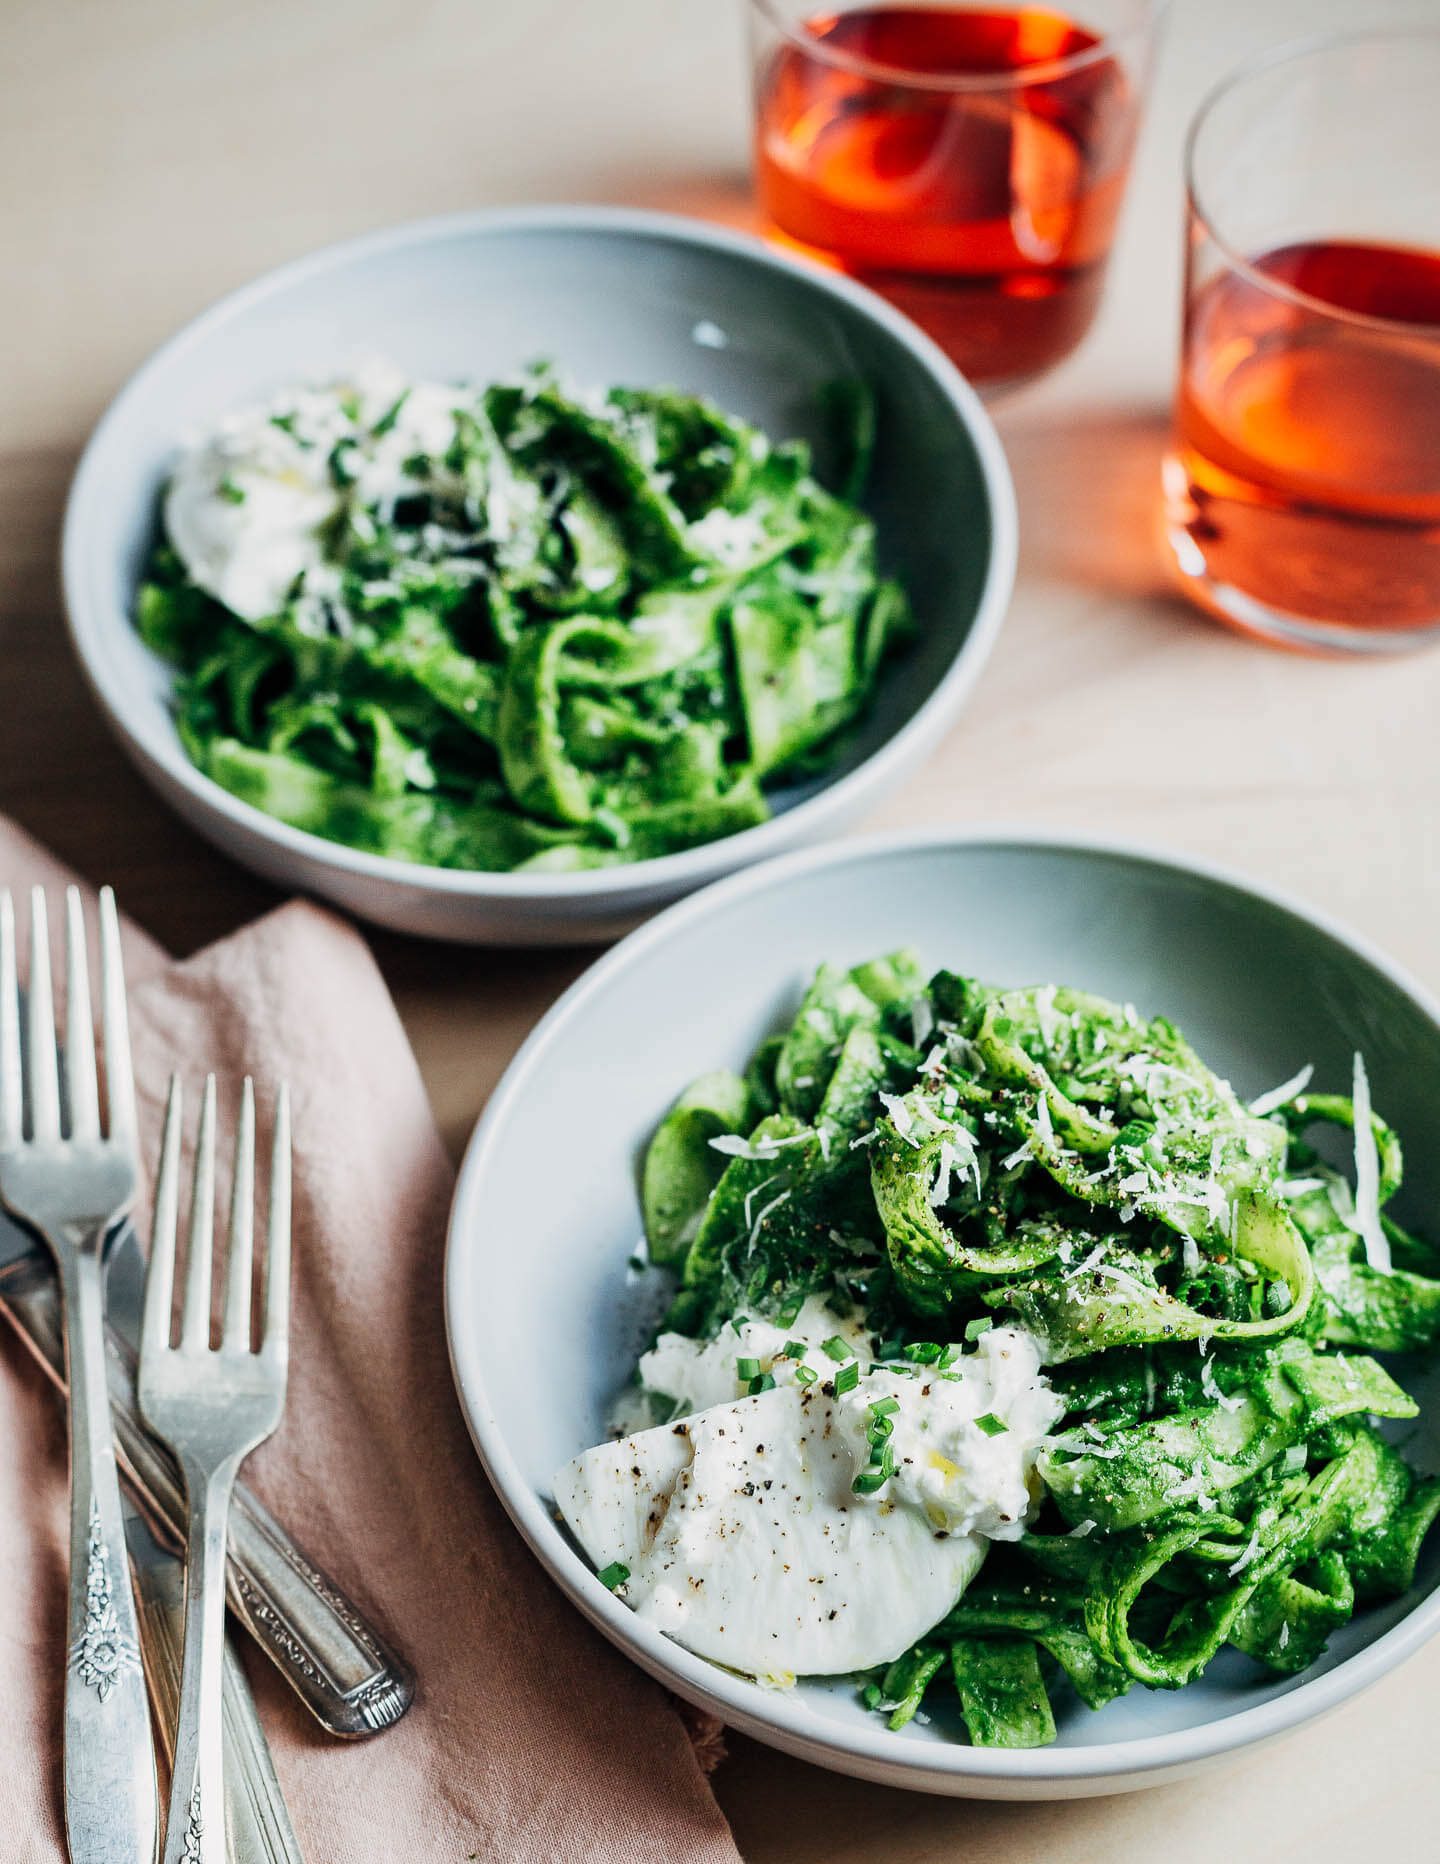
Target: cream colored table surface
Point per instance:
(154, 153)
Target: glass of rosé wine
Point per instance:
(968, 162)
(1302, 489)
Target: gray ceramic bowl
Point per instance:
(546, 1212)
(611, 296)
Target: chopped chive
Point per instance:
(891, 1349)
(613, 1575)
(805, 1375)
(974, 1328)
(835, 1348)
(923, 1352)
(390, 416)
(792, 1349)
(790, 1313)
(746, 1369)
(880, 1429)
(947, 1359)
(231, 493)
(762, 1382)
(884, 1407)
(992, 1425)
(847, 1378)
(882, 1467)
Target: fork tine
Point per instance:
(241, 1247)
(275, 1336)
(41, 1066)
(12, 1080)
(195, 1315)
(119, 1078)
(82, 1097)
(160, 1277)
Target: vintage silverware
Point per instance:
(338, 1664)
(71, 1182)
(213, 1405)
(257, 1822)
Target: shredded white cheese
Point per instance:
(1210, 1385)
(733, 1146)
(754, 1192)
(1251, 1549)
(774, 1204)
(1278, 1096)
(1367, 1176)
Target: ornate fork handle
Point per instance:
(257, 1821)
(339, 1666)
(109, 1759)
(199, 1743)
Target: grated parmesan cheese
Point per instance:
(774, 1204)
(734, 1147)
(1367, 1176)
(1278, 1096)
(1251, 1549)
(754, 1192)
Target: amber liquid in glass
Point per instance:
(986, 215)
(1307, 471)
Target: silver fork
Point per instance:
(212, 1405)
(70, 1182)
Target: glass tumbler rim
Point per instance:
(1149, 16)
(1292, 51)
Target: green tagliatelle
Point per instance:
(951, 1156)
(588, 630)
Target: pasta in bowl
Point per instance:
(1258, 984)
(435, 648)
(1013, 1350)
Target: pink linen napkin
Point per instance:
(530, 1738)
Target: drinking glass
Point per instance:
(968, 162)
(1302, 491)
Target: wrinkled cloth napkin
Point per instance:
(530, 1738)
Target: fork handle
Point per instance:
(334, 1659)
(111, 1797)
(258, 1828)
(195, 1829)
